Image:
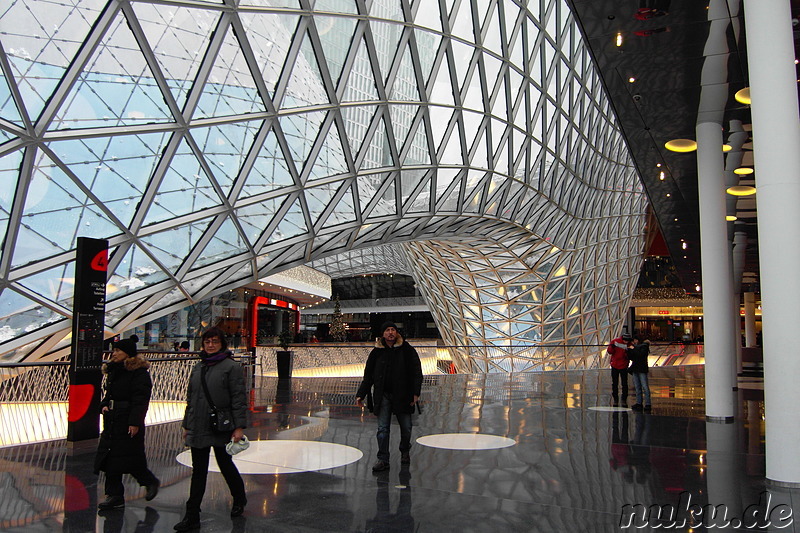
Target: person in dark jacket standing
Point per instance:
(124, 406)
(224, 380)
(638, 354)
(394, 375)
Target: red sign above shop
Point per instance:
(663, 312)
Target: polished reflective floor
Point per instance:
(521, 452)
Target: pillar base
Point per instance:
(720, 419)
(782, 484)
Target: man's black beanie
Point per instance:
(388, 325)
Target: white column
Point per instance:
(739, 252)
(749, 319)
(720, 351)
(776, 137)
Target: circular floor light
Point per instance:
(285, 457)
(465, 441)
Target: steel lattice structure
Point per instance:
(214, 143)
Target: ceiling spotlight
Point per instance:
(743, 171)
(684, 245)
(743, 96)
(631, 79)
(661, 175)
(730, 218)
(681, 145)
(697, 288)
(618, 39)
(727, 147)
(741, 190)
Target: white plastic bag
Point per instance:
(234, 447)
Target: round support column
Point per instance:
(720, 351)
(776, 136)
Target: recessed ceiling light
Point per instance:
(631, 79)
(727, 147)
(743, 96)
(618, 39)
(741, 190)
(730, 218)
(743, 171)
(681, 145)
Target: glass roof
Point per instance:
(203, 140)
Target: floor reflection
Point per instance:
(571, 467)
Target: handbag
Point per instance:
(101, 456)
(221, 419)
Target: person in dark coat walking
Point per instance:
(638, 354)
(224, 380)
(393, 377)
(124, 406)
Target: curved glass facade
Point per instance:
(214, 143)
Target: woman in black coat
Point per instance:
(124, 406)
(224, 382)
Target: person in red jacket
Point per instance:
(618, 350)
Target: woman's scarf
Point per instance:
(211, 360)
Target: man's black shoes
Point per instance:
(190, 522)
(380, 466)
(111, 502)
(152, 490)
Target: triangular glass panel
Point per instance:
(227, 242)
(230, 88)
(360, 81)
(344, 211)
(368, 186)
(356, 123)
(306, 87)
(402, 117)
(441, 90)
(378, 153)
(116, 169)
(461, 22)
(462, 57)
(388, 35)
(427, 48)
(472, 93)
(270, 170)
(58, 211)
(225, 147)
(178, 37)
(335, 34)
(418, 153)
(270, 36)
(255, 218)
(300, 132)
(8, 109)
(172, 246)
(135, 271)
(492, 40)
(450, 148)
(336, 6)
(184, 189)
(291, 225)
(116, 88)
(22, 315)
(427, 15)
(387, 9)
(9, 173)
(55, 284)
(386, 204)
(318, 198)
(331, 159)
(404, 87)
(30, 44)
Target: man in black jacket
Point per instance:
(394, 375)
